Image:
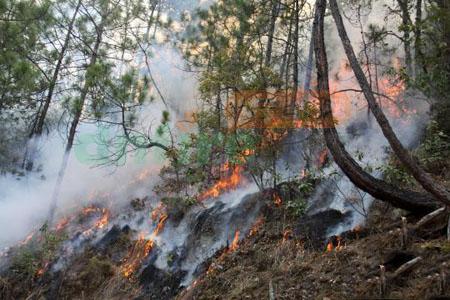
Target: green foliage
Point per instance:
(37, 253)
(433, 154)
(296, 207)
(21, 23)
(396, 174)
(97, 270)
(434, 151)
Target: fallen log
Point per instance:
(426, 219)
(406, 267)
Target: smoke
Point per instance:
(407, 111)
(25, 200)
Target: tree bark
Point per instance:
(74, 124)
(412, 201)
(37, 130)
(406, 34)
(295, 67)
(418, 54)
(427, 182)
(273, 19)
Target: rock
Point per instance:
(313, 229)
(160, 284)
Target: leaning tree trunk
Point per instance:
(38, 124)
(74, 125)
(438, 191)
(37, 130)
(412, 201)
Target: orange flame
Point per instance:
(103, 221)
(225, 184)
(287, 234)
(248, 152)
(142, 249)
(42, 270)
(330, 246)
(277, 199)
(235, 244)
(256, 227)
(62, 224)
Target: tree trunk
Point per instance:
(438, 191)
(309, 69)
(295, 68)
(412, 201)
(418, 54)
(406, 34)
(37, 130)
(74, 125)
(273, 19)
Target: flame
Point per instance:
(256, 227)
(277, 199)
(27, 239)
(302, 173)
(90, 209)
(235, 244)
(62, 224)
(339, 246)
(287, 234)
(142, 249)
(103, 221)
(248, 152)
(157, 212)
(225, 184)
(225, 167)
(330, 246)
(42, 270)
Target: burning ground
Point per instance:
(279, 260)
(99, 254)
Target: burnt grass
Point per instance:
(280, 262)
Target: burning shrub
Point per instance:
(32, 259)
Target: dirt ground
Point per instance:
(273, 264)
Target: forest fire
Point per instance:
(235, 243)
(42, 270)
(277, 199)
(335, 243)
(256, 227)
(103, 221)
(330, 246)
(142, 249)
(287, 234)
(62, 224)
(223, 185)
